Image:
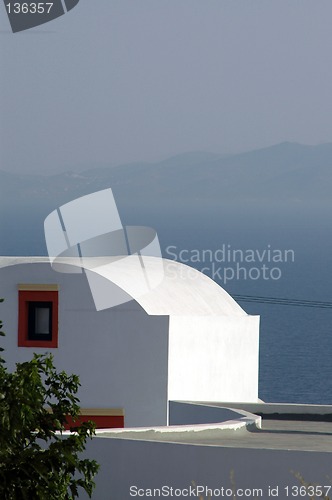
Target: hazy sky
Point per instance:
(115, 81)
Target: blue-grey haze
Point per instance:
(126, 80)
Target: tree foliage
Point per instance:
(36, 460)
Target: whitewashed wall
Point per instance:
(213, 358)
(120, 354)
(148, 465)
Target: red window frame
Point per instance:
(24, 298)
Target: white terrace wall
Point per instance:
(146, 465)
(120, 354)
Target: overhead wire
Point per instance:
(283, 301)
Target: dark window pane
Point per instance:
(40, 321)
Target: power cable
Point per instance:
(283, 301)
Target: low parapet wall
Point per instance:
(190, 423)
(184, 413)
(278, 411)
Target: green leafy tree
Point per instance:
(36, 460)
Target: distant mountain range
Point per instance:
(286, 173)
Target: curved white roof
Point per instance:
(162, 287)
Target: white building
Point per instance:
(186, 339)
(139, 362)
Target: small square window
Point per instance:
(38, 316)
